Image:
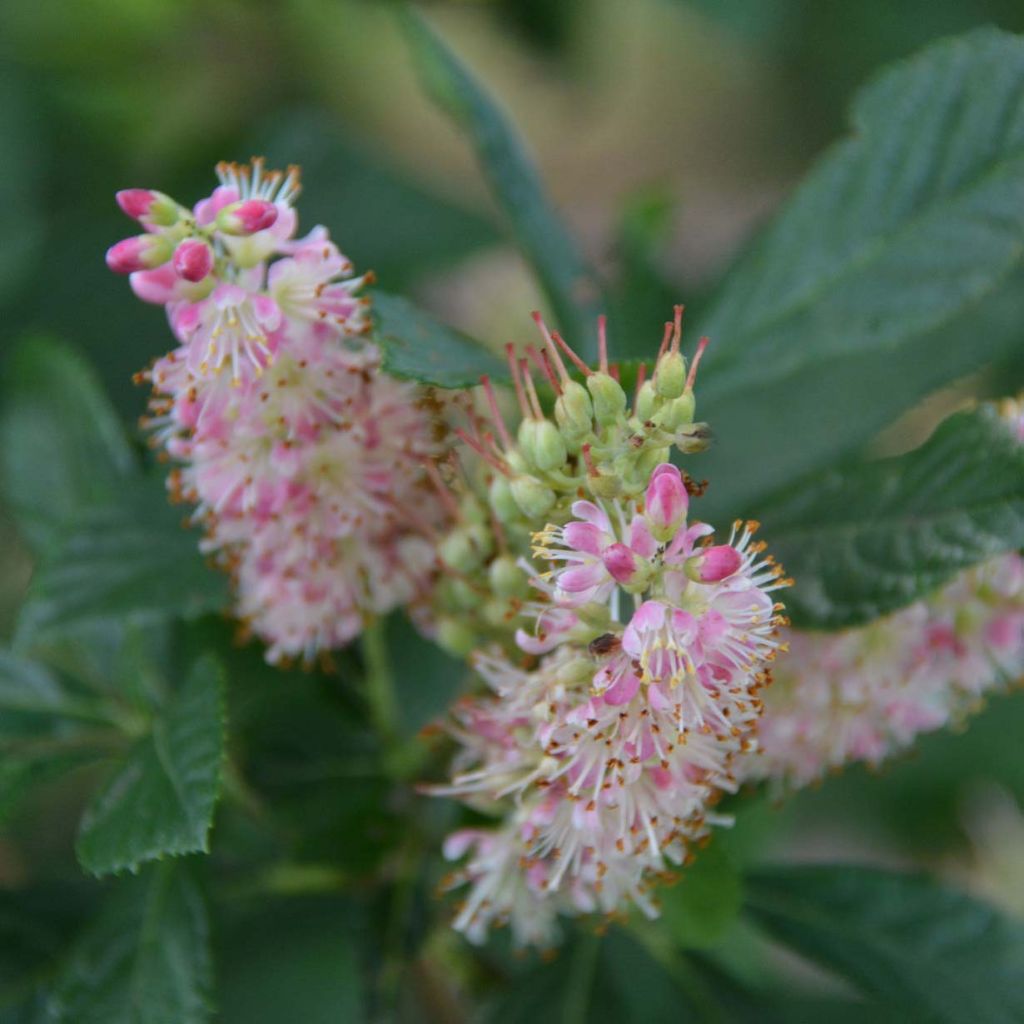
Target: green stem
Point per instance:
(380, 683)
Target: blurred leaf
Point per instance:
(62, 445)
(931, 952)
(571, 288)
(29, 688)
(419, 348)
(699, 909)
(146, 960)
(292, 960)
(128, 559)
(381, 220)
(864, 541)
(842, 313)
(596, 980)
(160, 800)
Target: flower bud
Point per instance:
(501, 500)
(670, 375)
(246, 217)
(666, 502)
(549, 450)
(461, 550)
(143, 252)
(150, 207)
(605, 485)
(574, 411)
(676, 413)
(713, 564)
(609, 398)
(626, 567)
(454, 636)
(647, 401)
(193, 260)
(574, 672)
(507, 577)
(696, 437)
(533, 498)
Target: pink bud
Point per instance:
(247, 217)
(143, 252)
(193, 259)
(713, 564)
(626, 566)
(148, 206)
(666, 502)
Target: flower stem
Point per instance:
(380, 682)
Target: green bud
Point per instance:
(533, 498)
(503, 504)
(526, 437)
(549, 450)
(471, 510)
(574, 411)
(507, 578)
(647, 401)
(609, 398)
(164, 211)
(463, 595)
(670, 375)
(605, 485)
(696, 437)
(454, 636)
(649, 459)
(575, 672)
(676, 414)
(460, 551)
(497, 613)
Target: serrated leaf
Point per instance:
(571, 288)
(145, 961)
(865, 540)
(418, 347)
(62, 445)
(128, 559)
(160, 800)
(933, 953)
(840, 315)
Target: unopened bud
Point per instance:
(143, 252)
(502, 503)
(574, 411)
(646, 401)
(626, 567)
(608, 396)
(150, 207)
(507, 577)
(696, 437)
(455, 637)
(461, 550)
(247, 217)
(713, 564)
(533, 498)
(666, 502)
(549, 450)
(193, 260)
(670, 375)
(605, 485)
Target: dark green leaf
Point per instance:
(699, 909)
(570, 286)
(145, 961)
(866, 540)
(62, 445)
(931, 952)
(844, 312)
(160, 800)
(419, 348)
(129, 559)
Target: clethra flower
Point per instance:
(303, 462)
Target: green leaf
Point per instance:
(419, 348)
(128, 559)
(27, 687)
(700, 908)
(931, 952)
(843, 312)
(145, 961)
(571, 288)
(160, 800)
(61, 444)
(863, 541)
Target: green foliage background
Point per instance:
(662, 133)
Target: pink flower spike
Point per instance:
(193, 259)
(143, 252)
(247, 217)
(666, 501)
(714, 564)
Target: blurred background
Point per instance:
(665, 130)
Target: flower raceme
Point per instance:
(303, 461)
(606, 741)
